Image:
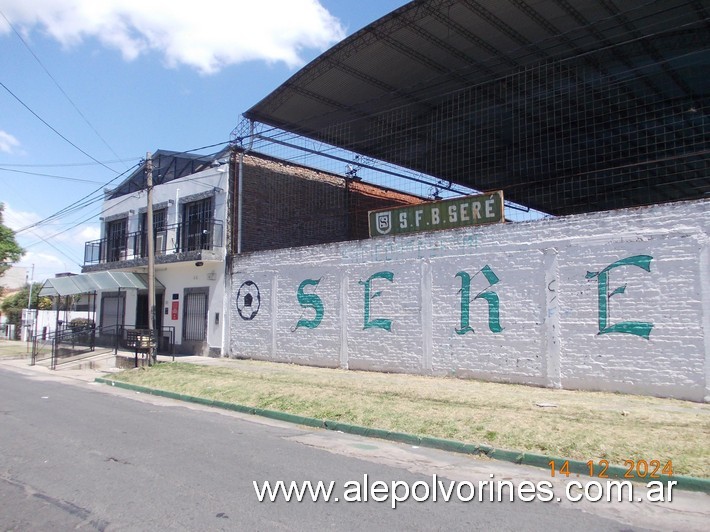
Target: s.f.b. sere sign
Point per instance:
(446, 214)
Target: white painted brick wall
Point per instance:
(549, 311)
(324, 340)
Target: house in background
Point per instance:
(200, 221)
(12, 281)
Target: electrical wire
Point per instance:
(57, 83)
(77, 224)
(89, 199)
(77, 204)
(62, 165)
(64, 178)
(50, 244)
(52, 128)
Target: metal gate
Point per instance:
(195, 314)
(112, 312)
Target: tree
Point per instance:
(10, 251)
(13, 305)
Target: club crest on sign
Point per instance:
(383, 222)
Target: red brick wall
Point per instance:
(287, 205)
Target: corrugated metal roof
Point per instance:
(167, 166)
(536, 81)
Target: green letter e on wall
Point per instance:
(639, 328)
(380, 323)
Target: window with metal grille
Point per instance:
(116, 239)
(197, 225)
(160, 218)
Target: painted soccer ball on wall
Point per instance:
(248, 300)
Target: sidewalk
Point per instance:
(688, 510)
(15, 354)
(88, 374)
(446, 413)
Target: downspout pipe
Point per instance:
(240, 187)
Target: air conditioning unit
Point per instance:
(159, 244)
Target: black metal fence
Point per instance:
(175, 238)
(73, 344)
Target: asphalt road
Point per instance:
(87, 456)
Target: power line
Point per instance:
(52, 128)
(76, 224)
(50, 176)
(57, 84)
(58, 165)
(89, 199)
(46, 241)
(76, 205)
(203, 148)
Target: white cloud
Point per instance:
(46, 264)
(206, 35)
(8, 143)
(89, 232)
(66, 251)
(18, 219)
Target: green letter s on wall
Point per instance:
(312, 301)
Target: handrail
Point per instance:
(88, 337)
(187, 236)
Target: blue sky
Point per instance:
(119, 78)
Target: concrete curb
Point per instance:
(576, 467)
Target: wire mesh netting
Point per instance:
(334, 171)
(561, 138)
(610, 114)
(565, 136)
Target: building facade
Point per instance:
(616, 301)
(189, 212)
(200, 221)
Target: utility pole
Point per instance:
(152, 355)
(32, 278)
(28, 317)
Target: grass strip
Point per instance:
(582, 426)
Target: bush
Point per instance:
(81, 324)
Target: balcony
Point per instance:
(191, 237)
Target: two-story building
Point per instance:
(189, 212)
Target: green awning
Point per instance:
(96, 282)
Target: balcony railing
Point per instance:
(177, 238)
